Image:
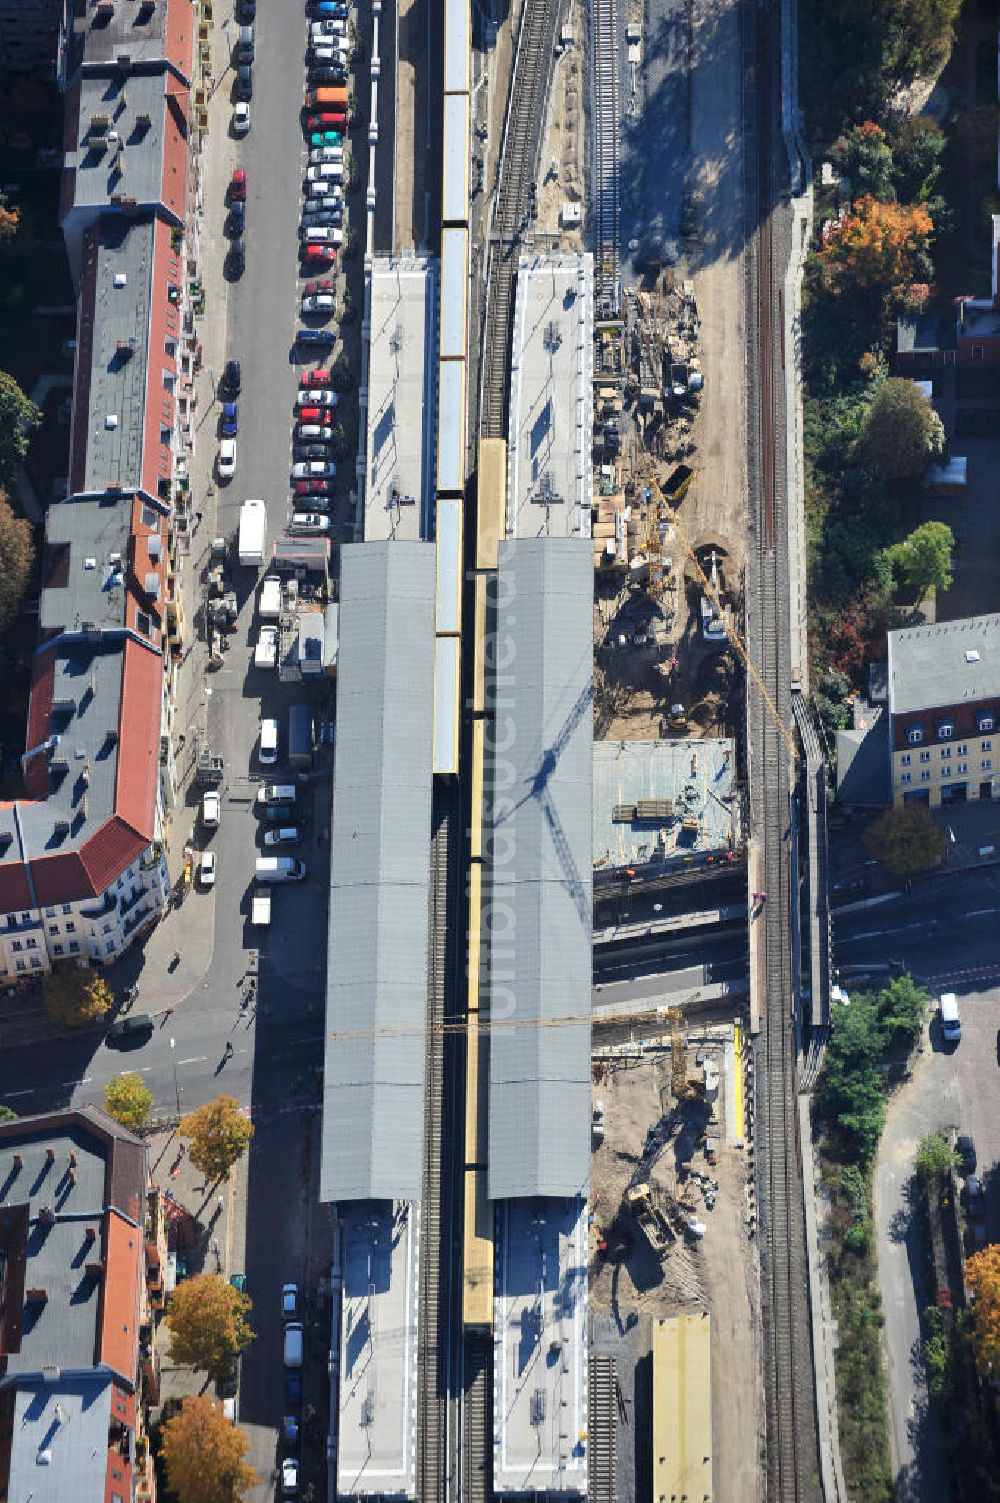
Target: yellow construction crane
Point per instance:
(684, 1088)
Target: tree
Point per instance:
(906, 840)
(208, 1323)
(128, 1099)
(919, 34)
(983, 1274)
(935, 1156)
(8, 1114)
(865, 157)
(851, 1091)
(219, 1133)
(900, 434)
(17, 554)
(204, 1454)
(902, 1007)
(877, 247)
(75, 998)
(924, 558)
(917, 149)
(18, 419)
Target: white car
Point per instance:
(323, 234)
(289, 1477)
(307, 431)
(321, 31)
(266, 653)
(324, 189)
(327, 54)
(323, 302)
(317, 396)
(270, 598)
(211, 811)
(207, 869)
(241, 118)
(305, 522)
(325, 154)
(313, 469)
(268, 743)
(227, 459)
(286, 835)
(326, 172)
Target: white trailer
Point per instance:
(253, 533)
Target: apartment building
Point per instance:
(944, 711)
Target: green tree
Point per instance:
(17, 554)
(75, 998)
(917, 150)
(128, 1100)
(906, 840)
(851, 1091)
(902, 1007)
(924, 558)
(901, 432)
(935, 1156)
(937, 1356)
(8, 1114)
(209, 1324)
(865, 157)
(219, 1132)
(919, 34)
(205, 1455)
(18, 419)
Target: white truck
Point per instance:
(270, 598)
(266, 652)
(253, 533)
(260, 907)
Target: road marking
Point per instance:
(9, 1095)
(981, 912)
(196, 1059)
(85, 1081)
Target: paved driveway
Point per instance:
(945, 1090)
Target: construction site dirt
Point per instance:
(672, 1230)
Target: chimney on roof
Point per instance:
(47, 1216)
(72, 1158)
(50, 1155)
(95, 1269)
(71, 1176)
(18, 1163)
(36, 1295)
(90, 1234)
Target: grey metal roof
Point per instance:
(951, 663)
(132, 105)
(136, 30)
(83, 580)
(115, 388)
(376, 997)
(59, 1447)
(537, 887)
(399, 442)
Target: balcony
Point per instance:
(106, 906)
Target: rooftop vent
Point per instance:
(61, 827)
(36, 1295)
(90, 563)
(95, 1269)
(151, 585)
(972, 656)
(143, 121)
(553, 338)
(123, 61)
(114, 558)
(111, 422)
(123, 347)
(98, 124)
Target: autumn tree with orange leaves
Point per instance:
(877, 247)
(205, 1455)
(983, 1274)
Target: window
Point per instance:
(925, 776)
(906, 777)
(53, 928)
(22, 965)
(963, 766)
(977, 352)
(963, 750)
(946, 751)
(57, 949)
(50, 913)
(144, 623)
(32, 944)
(170, 348)
(16, 944)
(169, 380)
(12, 921)
(915, 735)
(986, 765)
(106, 929)
(925, 756)
(67, 908)
(36, 964)
(74, 948)
(164, 435)
(984, 722)
(109, 947)
(946, 729)
(71, 928)
(905, 760)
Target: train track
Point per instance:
(513, 204)
(792, 1436)
(436, 1469)
(602, 1430)
(477, 1420)
(604, 175)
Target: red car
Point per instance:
(312, 487)
(325, 284)
(318, 255)
(326, 121)
(322, 415)
(238, 187)
(320, 377)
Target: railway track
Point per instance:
(513, 204)
(792, 1445)
(477, 1420)
(602, 1430)
(604, 176)
(436, 1470)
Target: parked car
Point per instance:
(317, 257)
(244, 82)
(269, 738)
(975, 1196)
(326, 8)
(293, 1390)
(290, 1435)
(289, 1477)
(283, 835)
(232, 379)
(317, 217)
(331, 235)
(227, 459)
(304, 523)
(237, 258)
(313, 289)
(206, 870)
(305, 490)
(310, 451)
(238, 186)
(327, 55)
(326, 120)
(277, 814)
(322, 431)
(326, 172)
(320, 377)
(322, 191)
(321, 469)
(323, 304)
(329, 26)
(289, 1292)
(229, 420)
(316, 336)
(241, 118)
(966, 1150)
(276, 793)
(317, 396)
(327, 73)
(137, 1026)
(320, 154)
(211, 810)
(326, 138)
(236, 221)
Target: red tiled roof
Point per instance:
(139, 738)
(107, 853)
(179, 40)
(61, 878)
(36, 771)
(118, 1343)
(14, 890)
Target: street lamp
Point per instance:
(177, 1090)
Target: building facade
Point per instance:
(944, 712)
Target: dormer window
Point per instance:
(985, 723)
(945, 729)
(915, 735)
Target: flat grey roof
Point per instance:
(138, 30)
(697, 776)
(551, 398)
(117, 380)
(376, 1452)
(951, 663)
(376, 995)
(132, 104)
(401, 409)
(62, 1331)
(540, 1349)
(537, 886)
(68, 1421)
(83, 578)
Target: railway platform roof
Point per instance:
(540, 1349)
(378, 1351)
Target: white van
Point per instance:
(280, 869)
(293, 1344)
(951, 1023)
(268, 743)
